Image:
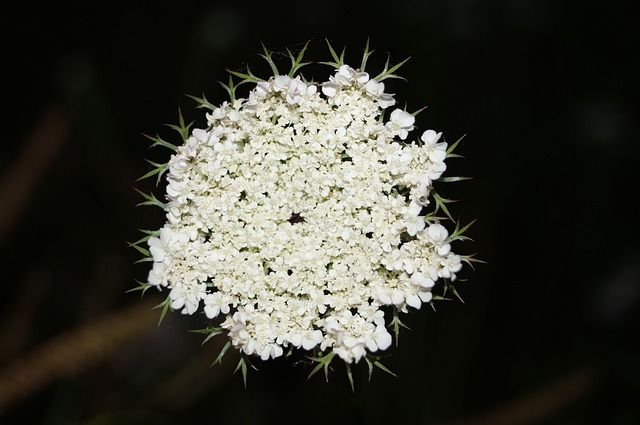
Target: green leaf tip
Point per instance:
(181, 128)
(267, 56)
(350, 376)
(296, 62)
(158, 141)
(159, 169)
(165, 307)
(243, 366)
(365, 56)
(338, 61)
(150, 199)
(210, 331)
(396, 323)
(203, 102)
(249, 77)
(389, 72)
(230, 88)
(374, 361)
(323, 363)
(142, 287)
(223, 351)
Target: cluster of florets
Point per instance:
(298, 218)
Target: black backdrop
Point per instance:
(546, 93)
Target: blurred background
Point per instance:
(547, 95)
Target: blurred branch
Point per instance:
(18, 324)
(173, 393)
(539, 405)
(74, 352)
(22, 177)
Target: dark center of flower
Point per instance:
(296, 218)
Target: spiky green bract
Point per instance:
(202, 102)
(181, 128)
(222, 353)
(142, 287)
(243, 365)
(338, 61)
(415, 114)
(396, 324)
(165, 307)
(374, 361)
(159, 169)
(211, 331)
(150, 199)
(296, 61)
(390, 72)
(230, 88)
(267, 56)
(158, 141)
(365, 57)
(137, 247)
(247, 77)
(322, 363)
(453, 147)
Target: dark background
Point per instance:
(546, 93)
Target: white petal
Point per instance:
(444, 249)
(421, 280)
(403, 118)
(177, 303)
(362, 77)
(386, 100)
(425, 296)
(384, 298)
(371, 344)
(281, 82)
(308, 343)
(437, 232)
(397, 297)
(329, 89)
(201, 135)
(383, 338)
(414, 301)
(295, 339)
(430, 137)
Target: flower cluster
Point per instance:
(300, 218)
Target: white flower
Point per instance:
(214, 303)
(401, 123)
(346, 76)
(422, 281)
(262, 90)
(156, 249)
(438, 235)
(297, 214)
(156, 275)
(414, 225)
(187, 297)
(450, 265)
(437, 151)
(376, 90)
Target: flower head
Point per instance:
(297, 218)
